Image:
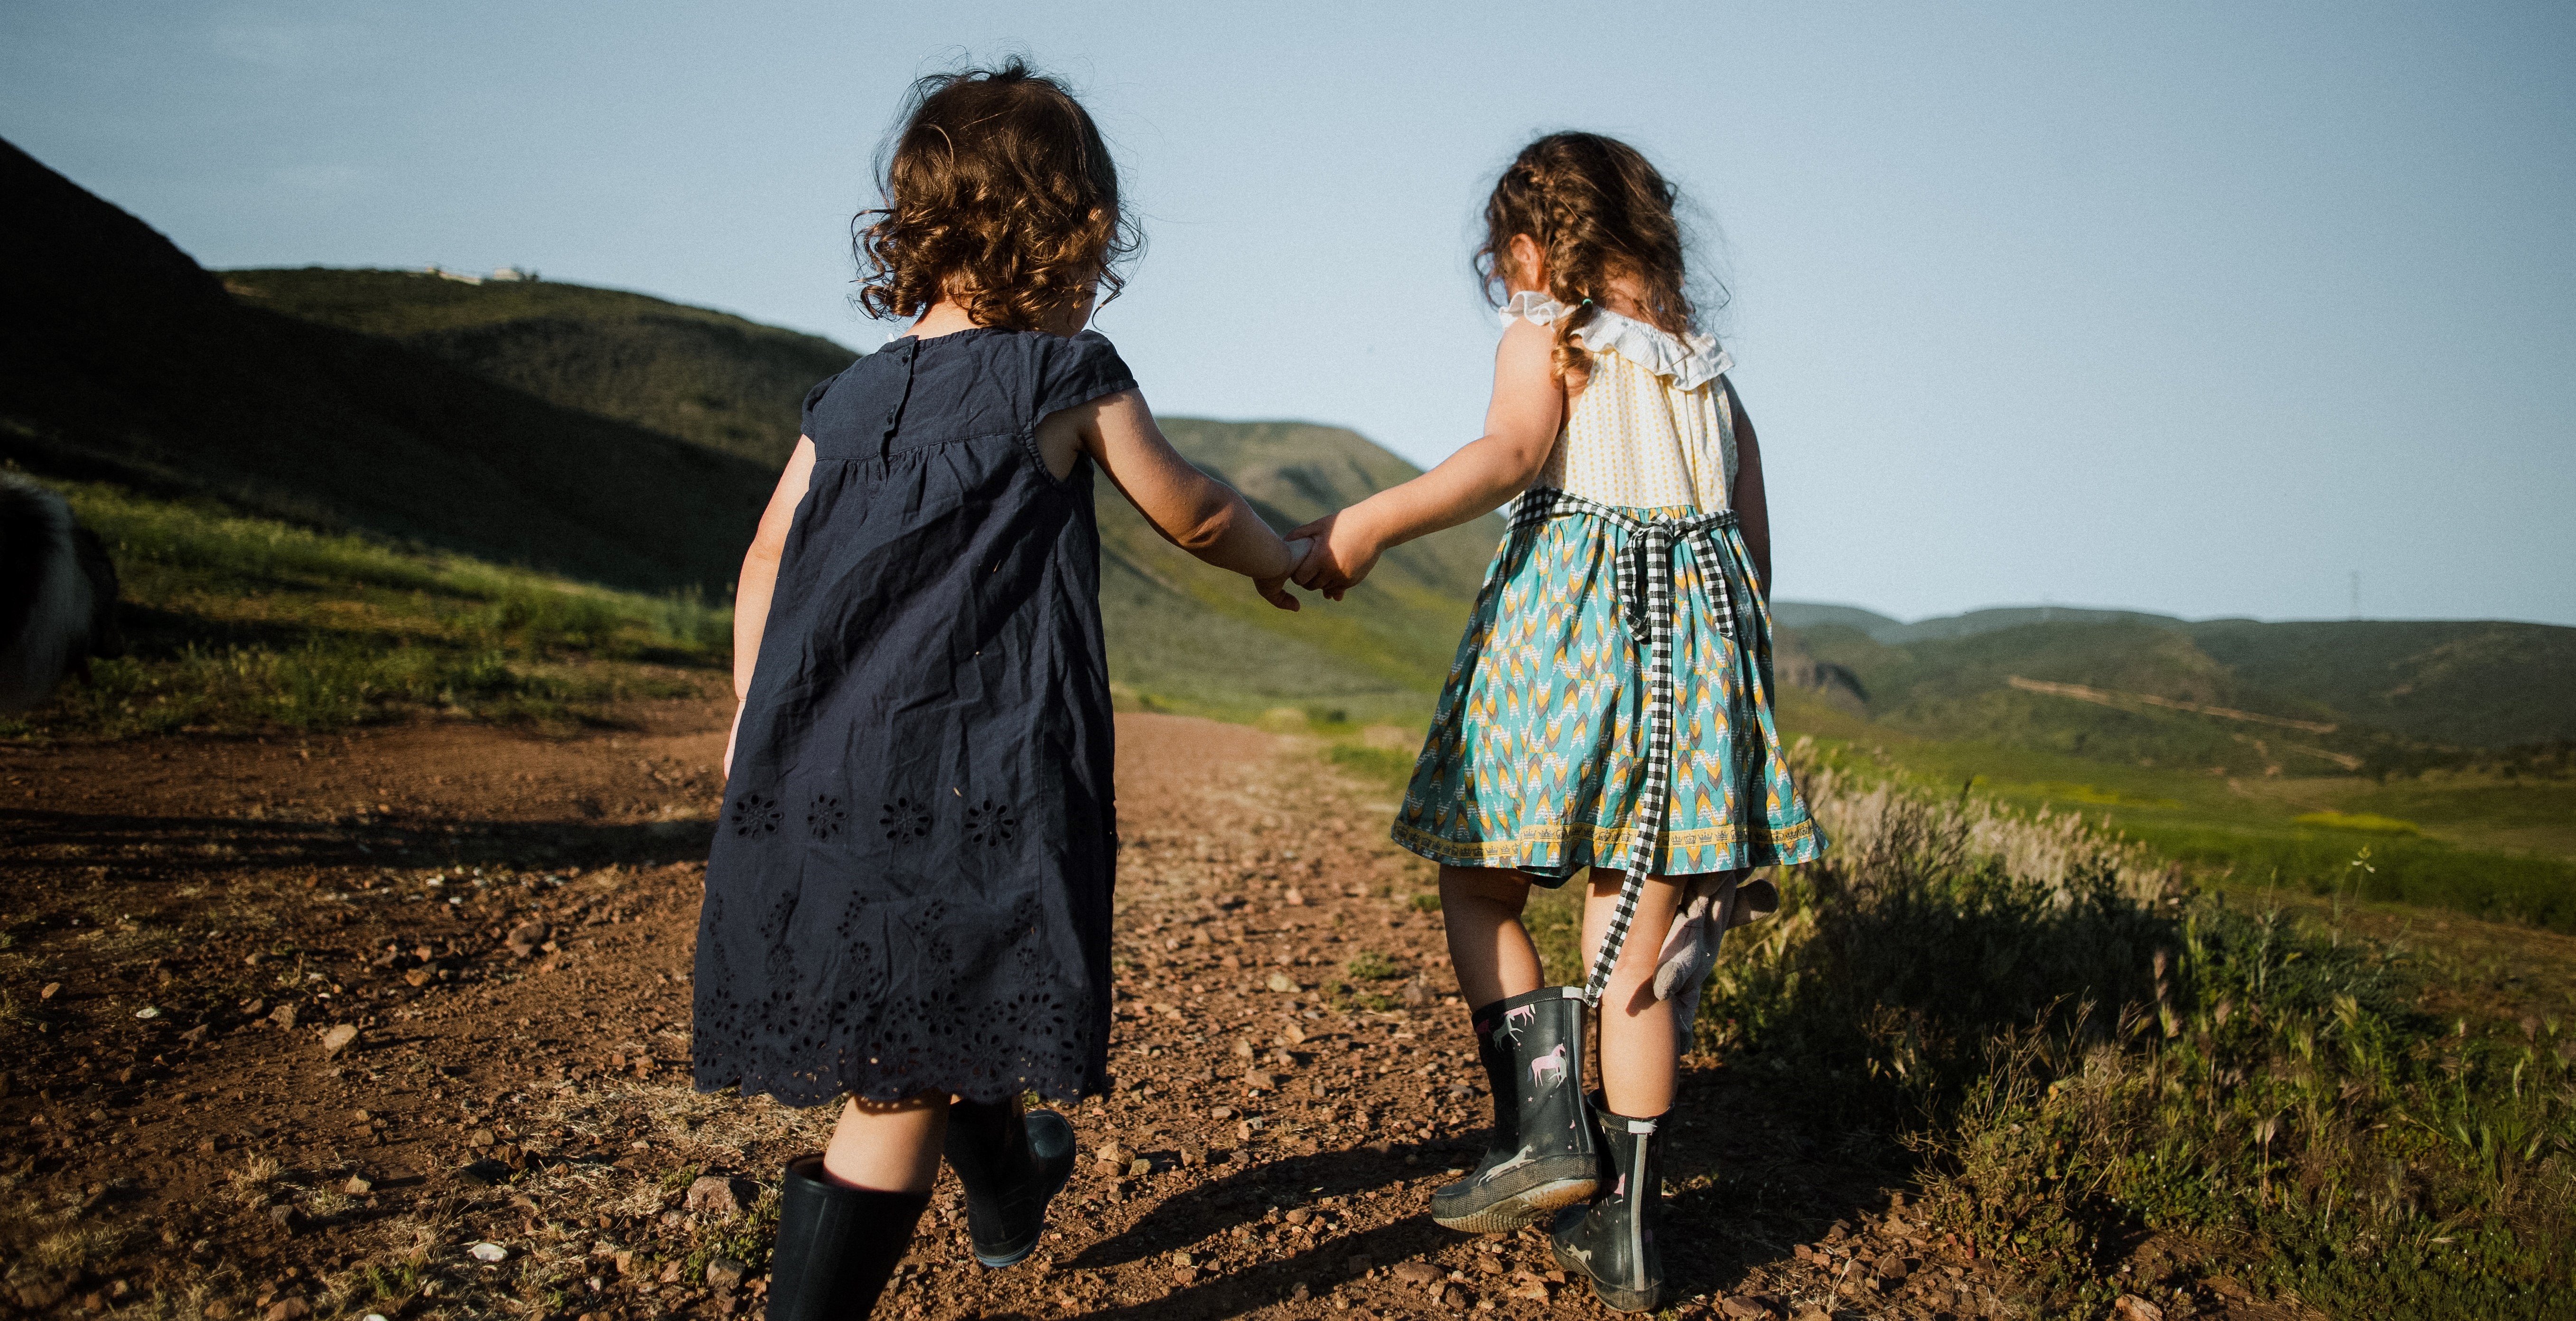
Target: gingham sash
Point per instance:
(1647, 563)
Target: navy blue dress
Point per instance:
(909, 889)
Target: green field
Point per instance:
(2476, 841)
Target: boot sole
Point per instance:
(1611, 1295)
(1526, 1207)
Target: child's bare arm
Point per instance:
(1752, 508)
(1190, 509)
(759, 579)
(1520, 431)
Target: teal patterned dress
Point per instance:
(1537, 756)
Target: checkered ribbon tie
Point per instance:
(1645, 574)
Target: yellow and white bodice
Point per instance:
(1654, 428)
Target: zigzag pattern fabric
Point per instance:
(1610, 706)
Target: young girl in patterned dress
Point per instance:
(907, 905)
(1609, 708)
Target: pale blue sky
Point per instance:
(2184, 307)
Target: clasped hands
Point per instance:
(1329, 555)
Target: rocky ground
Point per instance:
(397, 1023)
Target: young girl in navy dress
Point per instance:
(908, 900)
(1609, 709)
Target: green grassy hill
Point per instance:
(2397, 692)
(1200, 639)
(2098, 691)
(2477, 683)
(706, 377)
(1181, 635)
(596, 436)
(122, 361)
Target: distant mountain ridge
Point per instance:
(1880, 628)
(2388, 689)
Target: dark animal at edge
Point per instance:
(57, 595)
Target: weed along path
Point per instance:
(397, 1022)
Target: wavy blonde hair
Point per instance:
(1000, 194)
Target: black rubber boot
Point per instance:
(1612, 1242)
(836, 1245)
(1543, 1154)
(1011, 1164)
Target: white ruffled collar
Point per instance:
(1692, 362)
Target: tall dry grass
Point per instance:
(2080, 1050)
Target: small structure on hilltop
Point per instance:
(505, 275)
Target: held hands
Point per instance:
(1342, 553)
(1275, 590)
(1330, 555)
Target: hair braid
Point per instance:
(1598, 212)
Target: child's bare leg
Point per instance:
(1640, 1056)
(1481, 906)
(888, 1146)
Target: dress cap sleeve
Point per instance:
(805, 416)
(1078, 370)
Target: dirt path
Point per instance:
(189, 921)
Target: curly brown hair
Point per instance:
(1598, 212)
(1000, 194)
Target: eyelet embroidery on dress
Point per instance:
(992, 823)
(825, 818)
(823, 1031)
(904, 817)
(755, 815)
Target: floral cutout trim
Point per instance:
(905, 819)
(755, 815)
(826, 817)
(992, 823)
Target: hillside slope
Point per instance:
(1180, 633)
(608, 437)
(2478, 683)
(2392, 689)
(122, 360)
(706, 377)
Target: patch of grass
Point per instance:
(1384, 765)
(2367, 822)
(385, 1282)
(250, 1184)
(748, 1240)
(1347, 998)
(1370, 966)
(2538, 891)
(74, 1249)
(238, 623)
(1425, 901)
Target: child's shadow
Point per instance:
(1333, 1259)
(1747, 1184)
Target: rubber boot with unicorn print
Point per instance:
(1543, 1155)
